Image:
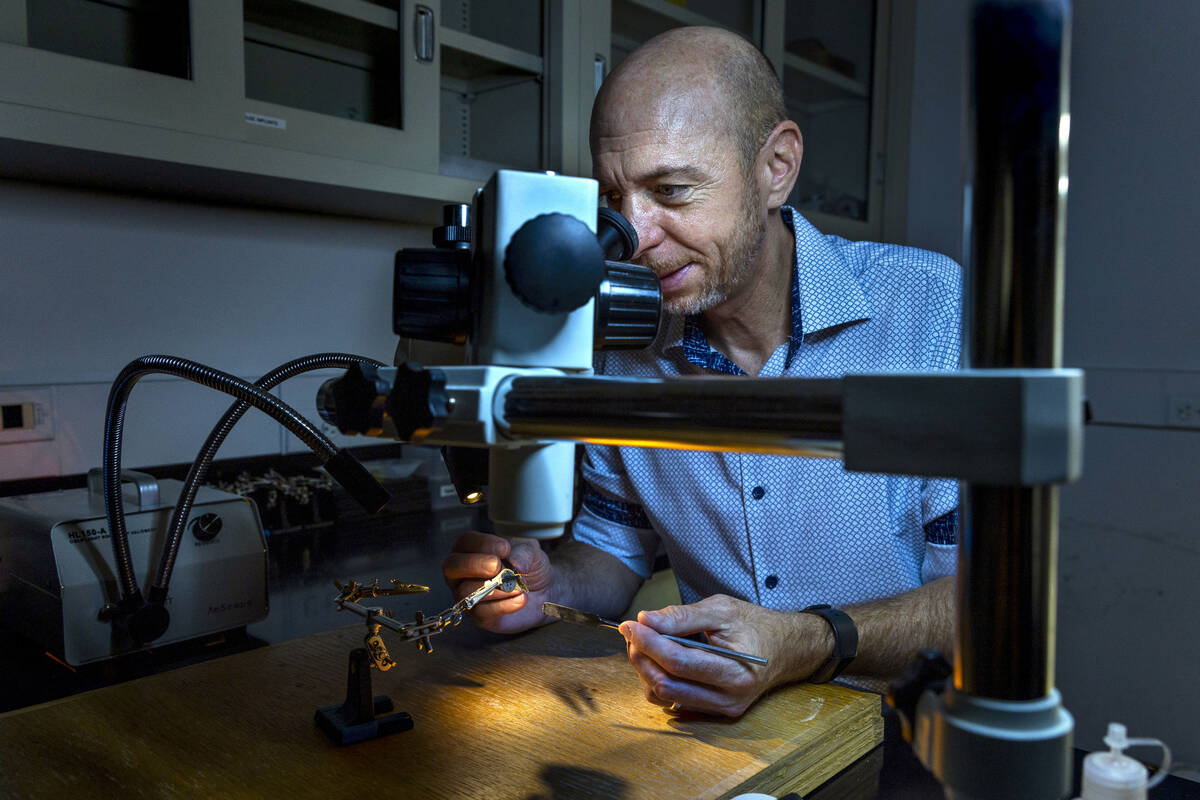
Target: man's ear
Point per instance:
(779, 161)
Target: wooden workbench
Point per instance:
(553, 714)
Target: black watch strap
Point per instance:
(845, 642)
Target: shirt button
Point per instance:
(772, 581)
(758, 492)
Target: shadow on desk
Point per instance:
(33, 676)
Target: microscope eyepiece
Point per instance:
(616, 235)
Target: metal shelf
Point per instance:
(41, 145)
(640, 20)
(678, 15)
(360, 10)
(844, 84)
(468, 57)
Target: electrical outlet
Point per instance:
(25, 415)
(1183, 410)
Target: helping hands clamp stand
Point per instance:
(356, 720)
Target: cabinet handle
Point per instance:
(599, 71)
(423, 33)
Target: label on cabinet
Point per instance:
(265, 121)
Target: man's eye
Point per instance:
(612, 198)
(670, 191)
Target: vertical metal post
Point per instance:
(1018, 129)
(1000, 731)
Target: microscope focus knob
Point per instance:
(628, 308)
(554, 263)
(418, 400)
(455, 231)
(354, 402)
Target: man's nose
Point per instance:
(644, 219)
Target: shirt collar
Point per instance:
(829, 289)
(825, 293)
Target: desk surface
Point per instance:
(555, 713)
(159, 724)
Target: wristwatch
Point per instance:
(845, 642)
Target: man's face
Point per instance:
(682, 184)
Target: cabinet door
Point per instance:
(831, 58)
(493, 102)
(636, 21)
(577, 60)
(160, 64)
(390, 100)
(255, 79)
(348, 78)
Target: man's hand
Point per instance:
(794, 644)
(477, 558)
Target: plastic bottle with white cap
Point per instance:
(1113, 775)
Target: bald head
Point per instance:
(707, 76)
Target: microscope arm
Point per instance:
(1000, 427)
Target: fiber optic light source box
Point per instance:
(57, 569)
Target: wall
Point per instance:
(935, 164)
(1129, 637)
(1128, 634)
(89, 281)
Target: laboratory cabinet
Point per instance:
(386, 108)
(389, 108)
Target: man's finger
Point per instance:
(493, 608)
(531, 563)
(524, 554)
(697, 697)
(476, 542)
(682, 662)
(685, 620)
(665, 689)
(649, 674)
(470, 565)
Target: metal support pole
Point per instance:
(1006, 574)
(1007, 568)
(1000, 731)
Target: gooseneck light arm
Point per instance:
(146, 623)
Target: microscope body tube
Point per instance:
(531, 489)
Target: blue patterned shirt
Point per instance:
(788, 532)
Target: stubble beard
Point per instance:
(745, 246)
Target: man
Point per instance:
(691, 143)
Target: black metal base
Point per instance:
(355, 720)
